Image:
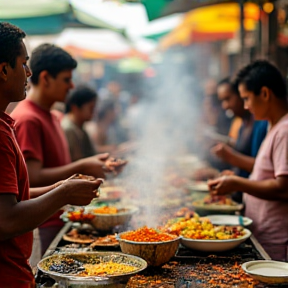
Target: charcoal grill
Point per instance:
(179, 271)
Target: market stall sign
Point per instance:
(159, 8)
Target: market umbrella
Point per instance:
(159, 8)
(158, 28)
(97, 44)
(49, 16)
(216, 22)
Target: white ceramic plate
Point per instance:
(267, 271)
(229, 220)
(214, 245)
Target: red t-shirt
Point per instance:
(15, 270)
(41, 137)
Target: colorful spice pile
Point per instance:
(222, 276)
(200, 275)
(106, 210)
(107, 268)
(202, 228)
(146, 234)
(79, 216)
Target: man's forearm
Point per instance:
(36, 192)
(24, 216)
(49, 176)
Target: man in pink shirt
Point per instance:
(263, 90)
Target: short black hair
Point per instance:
(10, 43)
(79, 96)
(51, 58)
(233, 86)
(259, 74)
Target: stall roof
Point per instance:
(49, 16)
(212, 23)
(98, 44)
(159, 8)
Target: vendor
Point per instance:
(79, 108)
(241, 154)
(263, 90)
(18, 214)
(39, 133)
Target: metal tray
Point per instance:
(117, 257)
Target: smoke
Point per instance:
(165, 127)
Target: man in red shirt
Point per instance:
(19, 215)
(39, 134)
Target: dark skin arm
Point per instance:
(39, 176)
(17, 218)
(36, 192)
(271, 189)
(234, 158)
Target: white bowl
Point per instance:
(267, 271)
(106, 222)
(214, 245)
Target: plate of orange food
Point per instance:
(106, 241)
(109, 216)
(76, 236)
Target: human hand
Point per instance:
(114, 165)
(80, 192)
(57, 184)
(223, 151)
(222, 185)
(94, 165)
(102, 157)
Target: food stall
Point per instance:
(194, 263)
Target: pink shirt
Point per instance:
(270, 221)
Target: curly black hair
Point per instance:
(10, 43)
(51, 58)
(79, 96)
(262, 73)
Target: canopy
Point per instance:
(158, 28)
(216, 22)
(159, 8)
(97, 44)
(49, 16)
